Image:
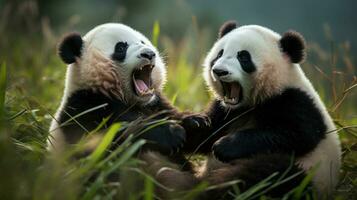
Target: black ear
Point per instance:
(226, 28)
(293, 44)
(70, 47)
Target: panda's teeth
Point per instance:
(233, 100)
(149, 91)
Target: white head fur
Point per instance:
(96, 68)
(273, 69)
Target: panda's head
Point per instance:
(116, 60)
(250, 63)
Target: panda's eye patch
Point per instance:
(120, 51)
(245, 61)
(220, 53)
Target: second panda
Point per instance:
(265, 113)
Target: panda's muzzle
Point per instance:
(232, 92)
(142, 82)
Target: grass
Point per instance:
(31, 83)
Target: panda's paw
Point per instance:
(167, 138)
(225, 149)
(194, 121)
(177, 137)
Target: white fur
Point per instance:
(99, 44)
(327, 155)
(232, 43)
(104, 38)
(263, 45)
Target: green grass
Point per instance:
(31, 85)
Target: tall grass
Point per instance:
(31, 83)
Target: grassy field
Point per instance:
(31, 85)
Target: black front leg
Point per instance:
(247, 143)
(201, 129)
(167, 138)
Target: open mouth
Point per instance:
(142, 80)
(232, 92)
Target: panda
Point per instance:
(266, 116)
(113, 73)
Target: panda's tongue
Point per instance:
(141, 85)
(235, 89)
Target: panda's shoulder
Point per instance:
(290, 98)
(89, 101)
(87, 97)
(293, 105)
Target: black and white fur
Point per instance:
(265, 112)
(118, 69)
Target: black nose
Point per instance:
(148, 55)
(220, 72)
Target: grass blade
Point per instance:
(98, 183)
(103, 145)
(149, 189)
(305, 182)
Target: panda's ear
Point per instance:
(70, 47)
(293, 45)
(226, 28)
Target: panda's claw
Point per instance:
(196, 121)
(207, 121)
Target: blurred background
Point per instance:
(183, 30)
(187, 28)
(311, 18)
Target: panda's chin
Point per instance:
(142, 83)
(232, 93)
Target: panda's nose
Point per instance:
(148, 55)
(220, 72)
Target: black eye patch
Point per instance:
(120, 51)
(220, 53)
(245, 61)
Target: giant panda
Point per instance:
(113, 73)
(266, 116)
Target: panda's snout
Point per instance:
(220, 72)
(147, 54)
